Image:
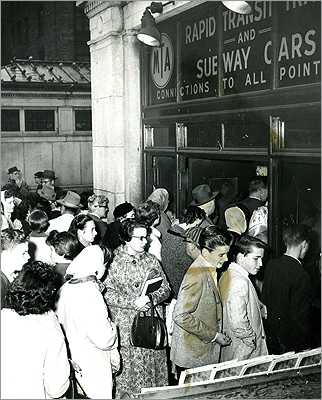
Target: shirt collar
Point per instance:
(288, 255)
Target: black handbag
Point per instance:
(149, 331)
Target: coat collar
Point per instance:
(236, 267)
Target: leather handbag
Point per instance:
(149, 331)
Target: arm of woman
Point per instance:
(114, 294)
(164, 290)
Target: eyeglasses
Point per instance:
(100, 206)
(140, 237)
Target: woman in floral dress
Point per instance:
(130, 268)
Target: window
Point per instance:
(40, 22)
(83, 120)
(10, 120)
(39, 120)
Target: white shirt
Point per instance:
(61, 223)
(34, 363)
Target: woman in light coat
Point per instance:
(91, 335)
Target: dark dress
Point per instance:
(4, 289)
(175, 260)
(286, 294)
(111, 238)
(140, 367)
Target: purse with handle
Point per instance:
(149, 331)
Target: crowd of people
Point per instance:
(71, 286)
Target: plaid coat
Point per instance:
(242, 319)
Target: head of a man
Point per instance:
(214, 244)
(14, 251)
(258, 187)
(38, 177)
(297, 237)
(248, 253)
(14, 173)
(192, 239)
(204, 198)
(98, 205)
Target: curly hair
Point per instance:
(33, 290)
(148, 212)
(10, 238)
(191, 214)
(64, 243)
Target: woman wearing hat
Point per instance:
(91, 335)
(111, 238)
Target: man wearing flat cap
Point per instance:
(70, 207)
(204, 198)
(38, 179)
(19, 187)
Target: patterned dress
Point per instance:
(140, 367)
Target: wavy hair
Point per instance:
(64, 243)
(33, 290)
(212, 236)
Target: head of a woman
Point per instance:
(214, 244)
(33, 290)
(134, 233)
(7, 201)
(148, 213)
(14, 251)
(161, 197)
(192, 216)
(83, 227)
(38, 221)
(90, 261)
(64, 246)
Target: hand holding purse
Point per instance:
(149, 331)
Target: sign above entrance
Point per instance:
(210, 51)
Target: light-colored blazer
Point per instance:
(197, 318)
(242, 319)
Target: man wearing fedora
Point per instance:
(15, 183)
(48, 179)
(204, 198)
(70, 207)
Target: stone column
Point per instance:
(115, 71)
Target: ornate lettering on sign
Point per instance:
(162, 61)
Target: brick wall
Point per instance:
(23, 36)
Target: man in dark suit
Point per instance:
(286, 294)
